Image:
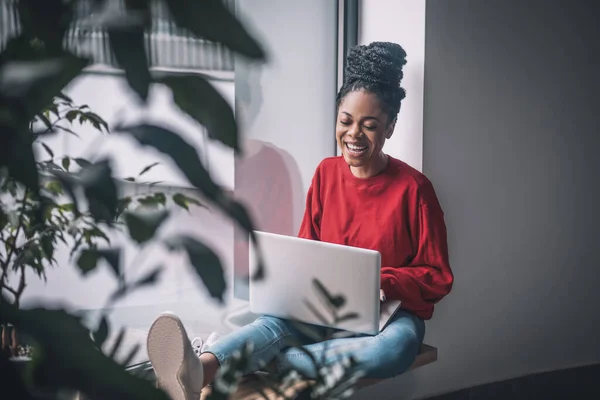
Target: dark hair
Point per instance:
(376, 68)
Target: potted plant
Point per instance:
(39, 206)
(28, 248)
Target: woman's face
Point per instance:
(361, 130)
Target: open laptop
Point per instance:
(295, 267)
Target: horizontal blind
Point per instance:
(167, 45)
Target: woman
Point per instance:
(363, 198)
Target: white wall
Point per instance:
(290, 101)
(402, 22)
(286, 111)
(510, 142)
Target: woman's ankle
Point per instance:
(210, 365)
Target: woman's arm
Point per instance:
(428, 277)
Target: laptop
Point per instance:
(305, 280)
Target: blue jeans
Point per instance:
(385, 355)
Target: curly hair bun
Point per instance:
(378, 63)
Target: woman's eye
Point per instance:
(345, 123)
(371, 128)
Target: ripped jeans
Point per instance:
(385, 355)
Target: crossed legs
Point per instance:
(182, 374)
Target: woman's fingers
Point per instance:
(381, 295)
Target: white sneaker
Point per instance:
(200, 346)
(178, 370)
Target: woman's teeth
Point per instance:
(355, 149)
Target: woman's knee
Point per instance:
(275, 326)
(394, 355)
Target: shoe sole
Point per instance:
(166, 349)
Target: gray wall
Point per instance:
(511, 144)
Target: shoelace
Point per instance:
(197, 344)
(200, 346)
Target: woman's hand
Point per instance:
(381, 295)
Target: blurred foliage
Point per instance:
(46, 202)
(334, 380)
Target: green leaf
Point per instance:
(16, 154)
(113, 257)
(180, 200)
(148, 168)
(54, 187)
(48, 150)
(66, 163)
(53, 108)
(3, 219)
(117, 343)
(44, 120)
(69, 207)
(128, 46)
(64, 97)
(82, 162)
(145, 280)
(101, 334)
(67, 357)
(100, 190)
(183, 201)
(205, 262)
(143, 224)
(33, 84)
(47, 245)
(123, 204)
(198, 98)
(64, 129)
(148, 279)
(69, 183)
(71, 115)
(153, 201)
(211, 20)
(187, 160)
(47, 20)
(97, 121)
(97, 232)
(88, 260)
(181, 152)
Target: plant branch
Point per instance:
(10, 290)
(4, 272)
(18, 292)
(35, 238)
(13, 246)
(55, 123)
(21, 287)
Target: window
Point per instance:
(286, 114)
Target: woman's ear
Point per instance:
(390, 129)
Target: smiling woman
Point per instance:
(368, 105)
(363, 199)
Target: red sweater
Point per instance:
(396, 213)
